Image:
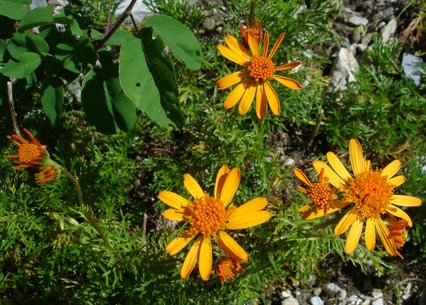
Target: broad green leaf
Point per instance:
(161, 68)
(28, 42)
(76, 54)
(27, 63)
(14, 9)
(182, 42)
(138, 83)
(41, 16)
(119, 37)
(52, 98)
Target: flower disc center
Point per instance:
(261, 68)
(30, 153)
(371, 193)
(320, 194)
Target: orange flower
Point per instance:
(398, 232)
(321, 196)
(209, 217)
(46, 174)
(30, 153)
(228, 269)
(254, 77)
(255, 30)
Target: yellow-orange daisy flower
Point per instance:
(254, 29)
(228, 269)
(371, 192)
(209, 217)
(30, 153)
(320, 194)
(254, 78)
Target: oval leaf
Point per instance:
(27, 63)
(52, 99)
(14, 9)
(28, 42)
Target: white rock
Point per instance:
(286, 293)
(378, 301)
(139, 11)
(358, 20)
(367, 301)
(290, 301)
(315, 300)
(317, 291)
(389, 30)
(344, 66)
(411, 66)
(354, 300)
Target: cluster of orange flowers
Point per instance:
(367, 197)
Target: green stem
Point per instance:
(88, 212)
(251, 13)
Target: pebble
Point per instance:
(286, 293)
(315, 300)
(290, 301)
(358, 20)
(317, 291)
(389, 30)
(411, 67)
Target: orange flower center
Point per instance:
(30, 153)
(206, 215)
(371, 193)
(261, 68)
(320, 194)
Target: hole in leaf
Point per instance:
(138, 84)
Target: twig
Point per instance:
(134, 23)
(109, 15)
(145, 220)
(12, 107)
(314, 133)
(116, 25)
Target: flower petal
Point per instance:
(237, 47)
(370, 233)
(231, 55)
(172, 199)
(231, 247)
(356, 157)
(397, 180)
(319, 212)
(205, 258)
(353, 237)
(220, 180)
(384, 235)
(273, 101)
(231, 79)
(406, 201)
(334, 179)
(190, 260)
(230, 186)
(260, 102)
(391, 169)
(247, 220)
(302, 177)
(192, 186)
(248, 97)
(338, 166)
(173, 214)
(265, 44)
(276, 45)
(345, 223)
(288, 66)
(178, 244)
(253, 205)
(288, 82)
(400, 213)
(235, 96)
(253, 44)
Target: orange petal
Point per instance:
(370, 233)
(288, 82)
(253, 44)
(172, 199)
(247, 98)
(237, 47)
(345, 223)
(231, 55)
(177, 244)
(273, 101)
(338, 166)
(276, 45)
(334, 179)
(406, 201)
(231, 247)
(353, 237)
(288, 66)
(302, 177)
(384, 235)
(397, 180)
(356, 157)
(190, 260)
(260, 102)
(235, 96)
(265, 44)
(220, 180)
(230, 186)
(231, 79)
(400, 213)
(205, 258)
(253, 205)
(391, 169)
(243, 220)
(315, 213)
(173, 214)
(192, 186)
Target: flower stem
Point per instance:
(88, 213)
(251, 13)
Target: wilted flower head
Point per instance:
(254, 29)
(228, 269)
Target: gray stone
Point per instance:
(317, 291)
(343, 68)
(356, 36)
(353, 299)
(290, 301)
(139, 12)
(337, 288)
(358, 20)
(367, 301)
(378, 301)
(387, 13)
(286, 293)
(315, 300)
(389, 30)
(411, 67)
